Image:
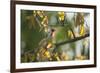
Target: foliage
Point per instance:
(42, 30)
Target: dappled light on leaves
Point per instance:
(54, 36)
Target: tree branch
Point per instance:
(73, 40)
